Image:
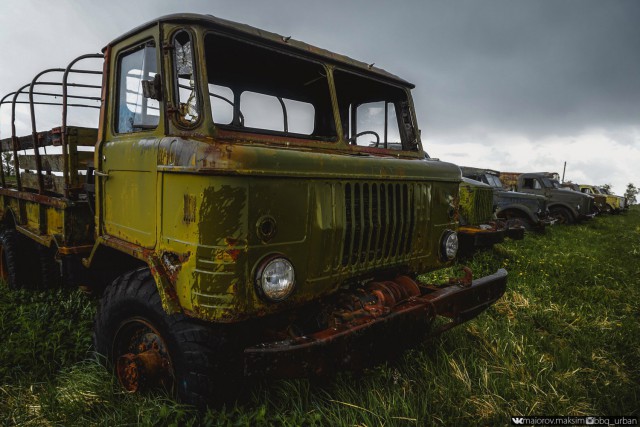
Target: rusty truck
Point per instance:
(565, 206)
(249, 205)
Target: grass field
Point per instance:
(564, 340)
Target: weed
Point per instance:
(565, 339)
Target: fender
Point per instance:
(163, 267)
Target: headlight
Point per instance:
(275, 278)
(449, 245)
(578, 207)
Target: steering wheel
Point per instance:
(352, 140)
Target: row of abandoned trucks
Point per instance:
(497, 204)
(248, 205)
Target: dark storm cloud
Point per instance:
(533, 67)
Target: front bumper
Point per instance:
(515, 233)
(476, 237)
(363, 340)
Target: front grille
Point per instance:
(380, 221)
(476, 205)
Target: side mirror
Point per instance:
(152, 89)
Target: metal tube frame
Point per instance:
(32, 103)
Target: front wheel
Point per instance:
(561, 214)
(149, 349)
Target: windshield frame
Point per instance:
(208, 128)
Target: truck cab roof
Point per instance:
(244, 30)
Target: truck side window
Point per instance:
(135, 112)
(189, 107)
(532, 183)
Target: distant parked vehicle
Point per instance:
(529, 210)
(565, 206)
(604, 202)
(624, 204)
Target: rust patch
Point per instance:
(233, 254)
(172, 264)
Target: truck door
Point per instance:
(128, 157)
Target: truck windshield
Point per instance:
(547, 183)
(258, 89)
(255, 88)
(555, 183)
(493, 180)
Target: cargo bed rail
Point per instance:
(51, 174)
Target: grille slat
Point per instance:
(380, 219)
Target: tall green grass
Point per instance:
(565, 339)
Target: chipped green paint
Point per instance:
(476, 203)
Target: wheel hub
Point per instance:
(141, 357)
(143, 370)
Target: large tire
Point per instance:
(14, 254)
(48, 272)
(562, 215)
(198, 366)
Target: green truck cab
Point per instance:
(478, 225)
(566, 206)
(253, 205)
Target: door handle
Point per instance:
(98, 173)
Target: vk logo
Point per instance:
(515, 420)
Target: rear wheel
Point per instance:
(150, 349)
(14, 254)
(561, 214)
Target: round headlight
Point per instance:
(449, 245)
(275, 278)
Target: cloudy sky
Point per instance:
(512, 85)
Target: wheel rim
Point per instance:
(141, 357)
(560, 217)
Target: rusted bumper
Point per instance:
(359, 343)
(516, 233)
(475, 237)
